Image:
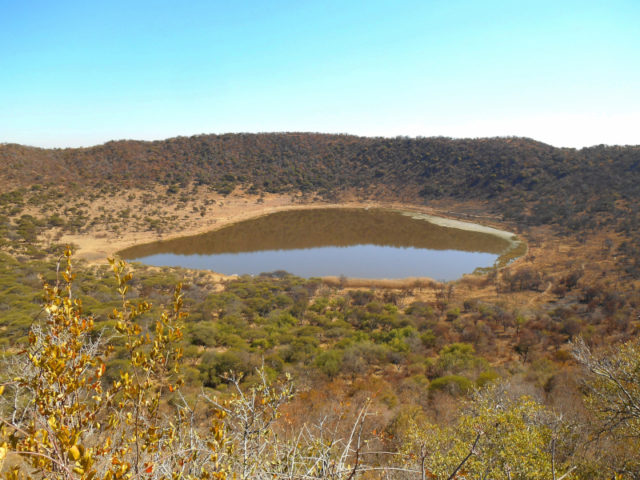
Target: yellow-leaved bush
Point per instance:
(61, 420)
(495, 436)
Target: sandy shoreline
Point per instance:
(98, 246)
(462, 225)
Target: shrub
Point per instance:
(329, 362)
(451, 384)
(203, 333)
(457, 358)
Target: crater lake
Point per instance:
(350, 242)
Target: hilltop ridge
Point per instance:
(525, 180)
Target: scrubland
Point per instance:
(528, 370)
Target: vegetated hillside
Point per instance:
(528, 180)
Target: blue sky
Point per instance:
(85, 72)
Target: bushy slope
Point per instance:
(482, 168)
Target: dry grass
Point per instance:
(411, 283)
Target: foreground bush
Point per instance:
(62, 421)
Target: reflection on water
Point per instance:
(319, 242)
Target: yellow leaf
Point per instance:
(74, 452)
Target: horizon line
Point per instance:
(286, 132)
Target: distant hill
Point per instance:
(527, 181)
